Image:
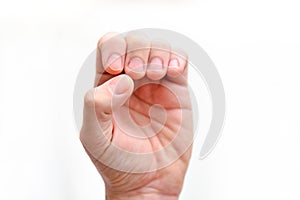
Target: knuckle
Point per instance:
(105, 37)
(180, 53)
(89, 99)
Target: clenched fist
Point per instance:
(137, 124)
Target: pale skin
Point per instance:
(123, 62)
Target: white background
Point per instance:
(254, 44)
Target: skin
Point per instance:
(162, 74)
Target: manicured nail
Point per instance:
(174, 63)
(114, 62)
(155, 64)
(136, 65)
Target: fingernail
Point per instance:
(136, 65)
(174, 63)
(156, 64)
(123, 85)
(114, 62)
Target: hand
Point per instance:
(137, 125)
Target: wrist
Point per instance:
(142, 197)
(134, 195)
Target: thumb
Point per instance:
(102, 99)
(112, 94)
(98, 105)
